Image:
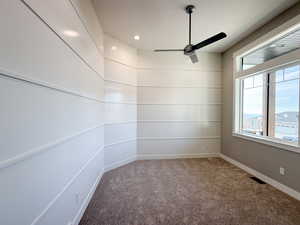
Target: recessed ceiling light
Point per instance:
(71, 33)
(114, 48)
(136, 37)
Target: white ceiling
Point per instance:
(164, 24)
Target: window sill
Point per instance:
(269, 141)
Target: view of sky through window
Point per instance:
(253, 104)
(286, 104)
(283, 111)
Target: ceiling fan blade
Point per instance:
(168, 50)
(194, 58)
(210, 40)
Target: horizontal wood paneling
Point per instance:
(120, 112)
(81, 186)
(119, 72)
(179, 105)
(121, 103)
(153, 95)
(115, 133)
(123, 53)
(91, 23)
(29, 186)
(43, 57)
(179, 112)
(178, 78)
(115, 154)
(178, 129)
(52, 117)
(36, 116)
(120, 93)
(53, 13)
(177, 60)
(177, 146)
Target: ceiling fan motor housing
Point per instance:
(190, 9)
(188, 50)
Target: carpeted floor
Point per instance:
(187, 192)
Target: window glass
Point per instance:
(269, 104)
(284, 105)
(258, 80)
(291, 73)
(248, 82)
(279, 75)
(276, 48)
(253, 105)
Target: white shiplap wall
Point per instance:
(179, 105)
(159, 105)
(58, 91)
(120, 103)
(51, 93)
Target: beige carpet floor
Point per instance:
(187, 192)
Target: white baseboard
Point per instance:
(291, 192)
(176, 156)
(120, 163)
(87, 201)
(160, 156)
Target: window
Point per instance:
(252, 107)
(287, 43)
(267, 88)
(284, 104)
(269, 104)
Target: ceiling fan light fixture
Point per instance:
(194, 58)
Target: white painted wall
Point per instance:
(120, 103)
(71, 107)
(160, 105)
(52, 115)
(179, 105)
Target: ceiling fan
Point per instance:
(190, 49)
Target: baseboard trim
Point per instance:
(87, 200)
(119, 163)
(291, 192)
(178, 138)
(160, 156)
(175, 156)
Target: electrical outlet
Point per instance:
(282, 171)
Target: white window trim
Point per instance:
(281, 61)
(274, 34)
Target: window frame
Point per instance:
(283, 61)
(267, 104)
(241, 107)
(272, 88)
